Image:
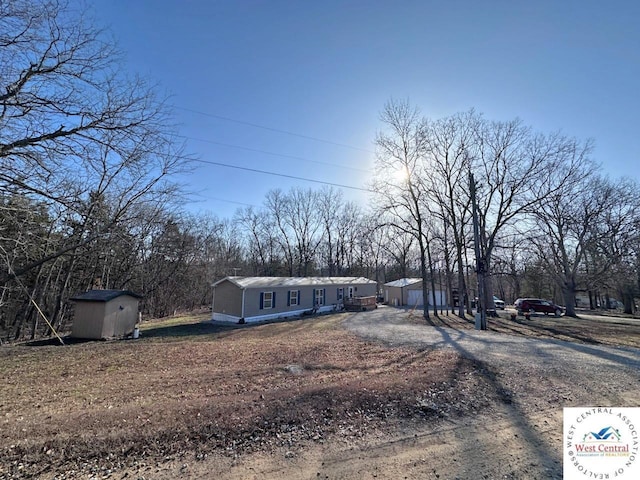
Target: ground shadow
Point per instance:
(54, 341)
(163, 331)
(538, 447)
(160, 331)
(189, 329)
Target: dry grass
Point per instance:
(188, 385)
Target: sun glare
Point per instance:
(401, 175)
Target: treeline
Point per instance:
(513, 200)
(172, 258)
(87, 200)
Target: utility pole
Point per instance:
(481, 308)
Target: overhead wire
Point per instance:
(263, 127)
(256, 170)
(267, 172)
(284, 175)
(217, 199)
(283, 155)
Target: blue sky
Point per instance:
(296, 87)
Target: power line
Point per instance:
(265, 172)
(255, 125)
(217, 199)
(249, 149)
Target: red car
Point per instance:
(537, 305)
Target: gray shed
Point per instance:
(105, 314)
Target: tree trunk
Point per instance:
(569, 294)
(627, 300)
(423, 272)
(433, 281)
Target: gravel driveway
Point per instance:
(394, 326)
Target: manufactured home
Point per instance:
(408, 292)
(253, 299)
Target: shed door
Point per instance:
(415, 297)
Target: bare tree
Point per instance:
(592, 217)
(374, 248)
(217, 252)
(349, 232)
(72, 126)
(517, 171)
(88, 144)
(399, 181)
(330, 204)
(399, 247)
(303, 219)
(623, 242)
(261, 243)
(448, 142)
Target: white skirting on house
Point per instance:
(223, 317)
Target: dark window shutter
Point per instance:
(299, 298)
(288, 298)
(324, 296)
(261, 300)
(313, 299)
(273, 299)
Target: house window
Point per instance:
(267, 299)
(350, 292)
(340, 294)
(293, 297)
(319, 296)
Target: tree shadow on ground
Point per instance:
(578, 330)
(538, 447)
(160, 331)
(178, 330)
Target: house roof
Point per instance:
(260, 282)
(403, 282)
(102, 295)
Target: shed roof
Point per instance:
(103, 295)
(259, 282)
(403, 282)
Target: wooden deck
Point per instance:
(360, 304)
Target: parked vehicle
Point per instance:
(499, 304)
(537, 305)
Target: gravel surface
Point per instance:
(534, 378)
(391, 327)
